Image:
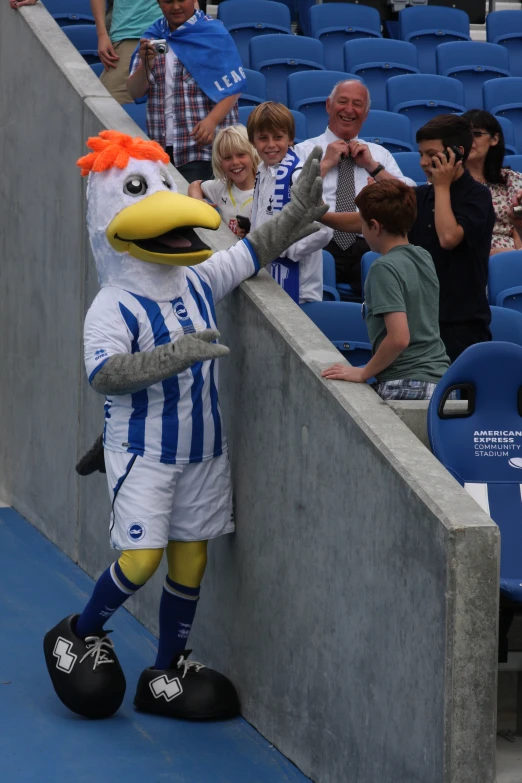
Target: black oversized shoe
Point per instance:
(186, 690)
(85, 673)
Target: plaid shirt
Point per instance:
(191, 106)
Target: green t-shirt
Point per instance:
(130, 18)
(404, 281)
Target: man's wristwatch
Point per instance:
(376, 171)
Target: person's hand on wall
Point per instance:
(20, 3)
(203, 132)
(106, 52)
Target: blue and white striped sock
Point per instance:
(110, 591)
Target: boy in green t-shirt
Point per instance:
(402, 300)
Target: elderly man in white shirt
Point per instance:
(347, 166)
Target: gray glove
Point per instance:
(126, 373)
(296, 219)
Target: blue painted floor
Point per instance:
(42, 742)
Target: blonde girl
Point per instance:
(234, 162)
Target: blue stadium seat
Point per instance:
(506, 325)
(84, 37)
(278, 56)
(409, 164)
(330, 292)
(70, 12)
(505, 28)
(509, 135)
(503, 97)
(388, 129)
(343, 324)
(301, 129)
(514, 162)
(366, 262)
(336, 23)
(98, 68)
(505, 280)
(472, 63)
(423, 96)
(467, 443)
(307, 92)
(255, 91)
(428, 26)
(376, 61)
(254, 18)
(138, 112)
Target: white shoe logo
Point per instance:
(162, 686)
(65, 658)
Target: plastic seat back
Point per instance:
(336, 23)
(513, 162)
(70, 12)
(254, 18)
(409, 164)
(472, 63)
(423, 96)
(330, 292)
(509, 135)
(505, 280)
(98, 68)
(503, 98)
(255, 91)
(138, 112)
(388, 129)
(505, 28)
(482, 445)
(279, 56)
(308, 91)
(506, 325)
(301, 129)
(85, 38)
(343, 324)
(376, 61)
(428, 26)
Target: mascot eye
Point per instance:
(135, 186)
(165, 181)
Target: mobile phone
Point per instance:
(243, 223)
(458, 154)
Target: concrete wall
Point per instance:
(356, 605)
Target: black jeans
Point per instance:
(348, 262)
(196, 169)
(458, 337)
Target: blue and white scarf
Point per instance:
(284, 272)
(207, 51)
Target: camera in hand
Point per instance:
(160, 45)
(243, 223)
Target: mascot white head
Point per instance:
(141, 229)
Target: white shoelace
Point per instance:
(187, 665)
(100, 650)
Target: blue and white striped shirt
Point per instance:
(177, 421)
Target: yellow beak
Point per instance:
(159, 229)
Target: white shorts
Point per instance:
(153, 503)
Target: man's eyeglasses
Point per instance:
(477, 134)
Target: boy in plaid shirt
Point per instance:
(192, 89)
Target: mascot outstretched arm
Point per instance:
(150, 348)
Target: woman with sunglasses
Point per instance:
(485, 165)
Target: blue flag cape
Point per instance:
(207, 51)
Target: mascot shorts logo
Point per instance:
(136, 532)
(162, 686)
(65, 659)
(181, 311)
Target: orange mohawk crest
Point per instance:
(112, 149)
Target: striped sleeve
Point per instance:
(226, 269)
(106, 332)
